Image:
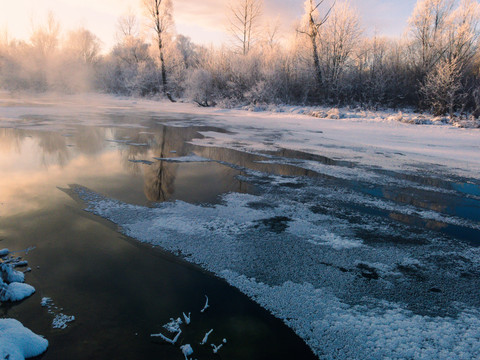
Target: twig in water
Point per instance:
(206, 305)
(205, 338)
(171, 341)
(216, 348)
(187, 318)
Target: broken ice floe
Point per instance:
(145, 162)
(60, 320)
(184, 159)
(186, 350)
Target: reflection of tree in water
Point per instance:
(90, 140)
(11, 139)
(160, 176)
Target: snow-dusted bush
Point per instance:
(199, 87)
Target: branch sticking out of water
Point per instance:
(187, 318)
(206, 305)
(171, 341)
(205, 338)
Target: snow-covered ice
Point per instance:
(18, 342)
(319, 272)
(357, 269)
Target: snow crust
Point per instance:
(18, 342)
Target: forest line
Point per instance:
(327, 59)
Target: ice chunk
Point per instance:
(174, 325)
(184, 159)
(186, 350)
(4, 252)
(17, 342)
(60, 321)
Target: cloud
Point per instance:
(205, 21)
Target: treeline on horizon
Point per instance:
(327, 59)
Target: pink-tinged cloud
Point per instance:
(204, 21)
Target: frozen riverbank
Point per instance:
(360, 234)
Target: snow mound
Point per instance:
(17, 342)
(15, 291)
(11, 283)
(11, 275)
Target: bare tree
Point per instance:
(463, 33)
(312, 22)
(45, 39)
(160, 14)
(244, 22)
(127, 25)
(271, 34)
(338, 40)
(428, 24)
(84, 45)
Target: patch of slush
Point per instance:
(309, 273)
(17, 342)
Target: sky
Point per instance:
(202, 20)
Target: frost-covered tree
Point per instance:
(45, 38)
(339, 38)
(128, 25)
(83, 45)
(311, 23)
(199, 87)
(244, 20)
(463, 33)
(429, 24)
(442, 88)
(160, 14)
